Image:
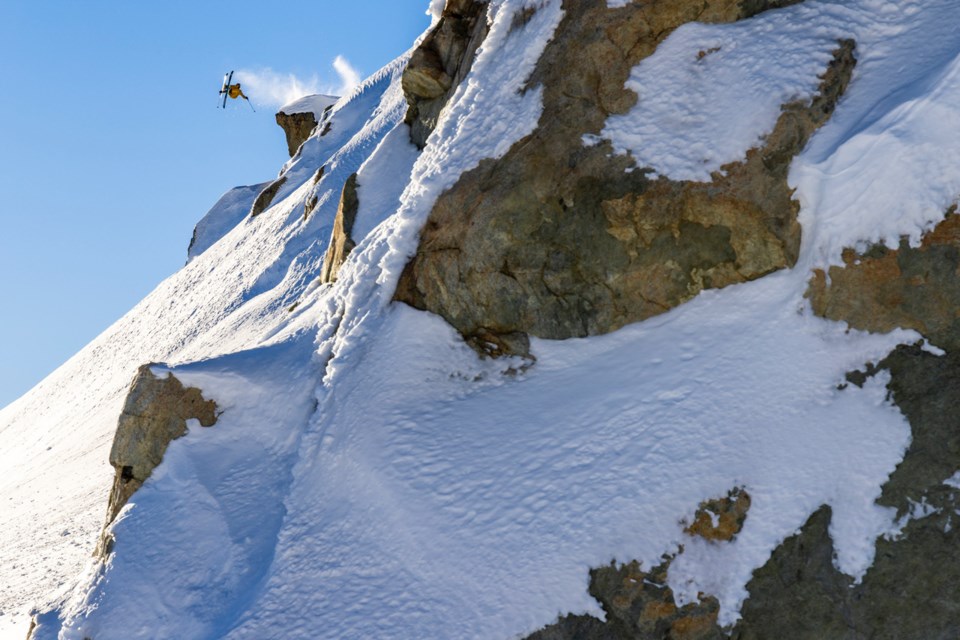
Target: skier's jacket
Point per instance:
(234, 91)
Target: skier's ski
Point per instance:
(227, 78)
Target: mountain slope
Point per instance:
(371, 476)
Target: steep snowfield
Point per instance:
(371, 477)
(233, 296)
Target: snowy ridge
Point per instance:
(371, 474)
(315, 104)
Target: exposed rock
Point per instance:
(495, 345)
(559, 239)
(721, 518)
(299, 118)
(911, 589)
(155, 412)
(640, 605)
(297, 127)
(341, 244)
(914, 288)
(310, 203)
(265, 198)
(440, 63)
(750, 8)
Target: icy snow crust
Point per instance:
(371, 477)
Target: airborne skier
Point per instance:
(232, 91)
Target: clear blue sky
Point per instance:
(111, 147)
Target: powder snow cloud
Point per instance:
(272, 88)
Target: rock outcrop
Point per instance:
(440, 63)
(265, 198)
(721, 518)
(560, 239)
(639, 605)
(341, 244)
(909, 287)
(155, 413)
(297, 127)
(299, 118)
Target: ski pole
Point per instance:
(251, 104)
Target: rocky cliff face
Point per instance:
(560, 239)
(299, 118)
(910, 287)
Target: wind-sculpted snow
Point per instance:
(888, 164)
(434, 488)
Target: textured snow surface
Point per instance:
(228, 212)
(371, 477)
(711, 92)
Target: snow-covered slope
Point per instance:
(233, 296)
(370, 476)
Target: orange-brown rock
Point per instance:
(721, 519)
(909, 287)
(297, 127)
(641, 605)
